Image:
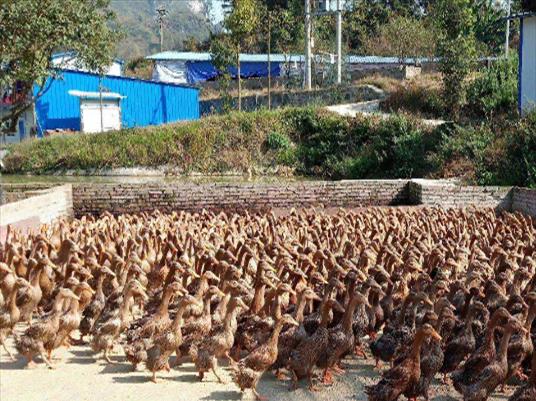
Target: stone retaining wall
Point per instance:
(427, 192)
(94, 199)
(44, 207)
(524, 200)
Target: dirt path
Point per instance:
(78, 377)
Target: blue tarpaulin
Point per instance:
(200, 71)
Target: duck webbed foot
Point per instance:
(327, 378)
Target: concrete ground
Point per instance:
(79, 377)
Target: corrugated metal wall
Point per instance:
(146, 102)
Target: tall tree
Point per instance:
(456, 47)
(33, 30)
(241, 23)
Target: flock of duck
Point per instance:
(427, 292)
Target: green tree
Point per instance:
(456, 47)
(241, 23)
(403, 37)
(33, 30)
(223, 57)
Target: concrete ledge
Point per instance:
(45, 206)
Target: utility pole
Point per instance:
(101, 106)
(339, 43)
(507, 38)
(269, 61)
(308, 44)
(162, 12)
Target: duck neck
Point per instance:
(416, 348)
(206, 306)
(178, 320)
(272, 341)
(325, 316)
(503, 347)
(203, 287)
(403, 310)
(467, 305)
(230, 319)
(347, 319)
(36, 277)
(530, 318)
(258, 298)
(164, 305)
(13, 301)
(300, 308)
(99, 292)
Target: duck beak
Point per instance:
(316, 297)
(5, 268)
(293, 322)
(436, 336)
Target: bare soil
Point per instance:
(80, 377)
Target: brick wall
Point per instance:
(440, 193)
(524, 200)
(44, 207)
(95, 198)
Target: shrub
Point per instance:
(277, 141)
(495, 90)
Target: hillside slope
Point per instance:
(137, 19)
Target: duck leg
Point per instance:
(153, 378)
(259, 397)
(338, 370)
(8, 352)
(327, 378)
(312, 387)
(294, 385)
(107, 358)
(47, 361)
(358, 351)
(214, 366)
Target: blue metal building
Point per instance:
(145, 102)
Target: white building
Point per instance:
(93, 106)
(527, 62)
(69, 61)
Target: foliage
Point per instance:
(495, 90)
(402, 37)
(309, 141)
(455, 47)
(421, 96)
(489, 25)
(33, 30)
(223, 58)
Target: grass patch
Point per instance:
(308, 141)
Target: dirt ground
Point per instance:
(79, 377)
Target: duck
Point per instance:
(96, 306)
(293, 335)
(521, 346)
(484, 355)
(462, 344)
(196, 330)
(32, 341)
(402, 378)
(247, 372)
(168, 340)
(10, 313)
(496, 372)
(527, 392)
(385, 347)
(141, 331)
(304, 357)
(111, 325)
(70, 320)
(219, 343)
(340, 338)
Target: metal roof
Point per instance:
(522, 15)
(277, 58)
(95, 95)
(251, 58)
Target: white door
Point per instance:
(90, 117)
